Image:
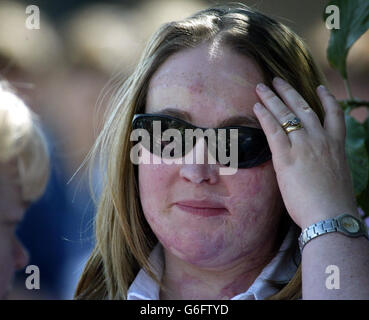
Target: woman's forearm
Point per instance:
(335, 266)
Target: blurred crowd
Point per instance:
(66, 71)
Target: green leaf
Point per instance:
(354, 21)
(366, 128)
(357, 154)
(363, 201)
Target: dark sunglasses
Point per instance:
(253, 148)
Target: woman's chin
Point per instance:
(209, 254)
(211, 260)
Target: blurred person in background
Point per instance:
(24, 172)
(29, 59)
(61, 71)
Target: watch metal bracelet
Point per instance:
(345, 223)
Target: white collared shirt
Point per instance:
(280, 269)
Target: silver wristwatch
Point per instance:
(345, 223)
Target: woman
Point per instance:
(183, 231)
(24, 172)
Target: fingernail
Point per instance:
(261, 87)
(258, 106)
(322, 88)
(278, 80)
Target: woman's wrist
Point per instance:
(347, 224)
(309, 220)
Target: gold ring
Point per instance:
(292, 125)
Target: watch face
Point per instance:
(350, 224)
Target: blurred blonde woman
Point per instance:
(24, 171)
(183, 230)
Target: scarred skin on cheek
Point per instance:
(251, 183)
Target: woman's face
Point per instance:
(206, 86)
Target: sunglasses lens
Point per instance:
(156, 126)
(253, 148)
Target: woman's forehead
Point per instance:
(200, 66)
(190, 76)
(204, 100)
(204, 109)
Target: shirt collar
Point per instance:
(144, 287)
(279, 270)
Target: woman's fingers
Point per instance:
(274, 112)
(278, 141)
(298, 105)
(274, 104)
(334, 121)
(279, 110)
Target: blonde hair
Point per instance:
(21, 139)
(123, 237)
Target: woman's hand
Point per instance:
(310, 163)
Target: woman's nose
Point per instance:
(197, 167)
(21, 257)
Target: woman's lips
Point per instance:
(202, 208)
